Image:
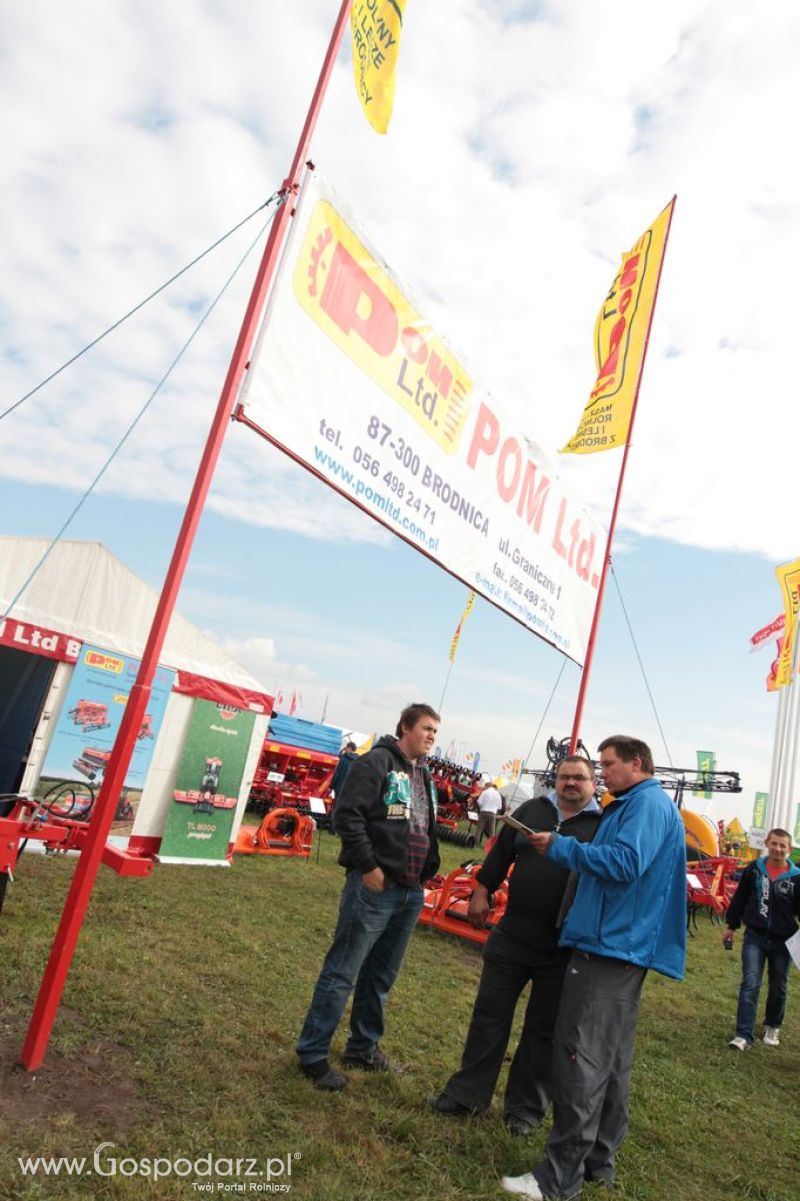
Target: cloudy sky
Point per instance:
(530, 146)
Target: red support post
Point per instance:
(587, 663)
(80, 891)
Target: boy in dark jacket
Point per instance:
(768, 902)
(386, 819)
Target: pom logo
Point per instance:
(104, 662)
(357, 304)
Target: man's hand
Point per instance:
(727, 938)
(375, 880)
(478, 909)
(540, 842)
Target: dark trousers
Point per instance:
(757, 949)
(485, 826)
(507, 967)
(592, 1060)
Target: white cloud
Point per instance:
(529, 147)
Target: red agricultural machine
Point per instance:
(447, 902)
(206, 798)
(282, 832)
(287, 777)
(90, 715)
(60, 821)
(458, 789)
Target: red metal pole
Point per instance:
(80, 891)
(587, 663)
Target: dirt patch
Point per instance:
(96, 1085)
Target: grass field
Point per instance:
(175, 1039)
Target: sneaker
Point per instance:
(322, 1075)
(772, 1036)
(740, 1044)
(519, 1126)
(376, 1061)
(523, 1186)
(444, 1104)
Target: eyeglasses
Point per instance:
(578, 779)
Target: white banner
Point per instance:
(349, 379)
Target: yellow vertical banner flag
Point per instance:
(376, 26)
(620, 341)
(459, 628)
(789, 580)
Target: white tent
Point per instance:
(84, 594)
(85, 591)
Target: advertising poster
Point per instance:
(760, 811)
(200, 818)
(352, 381)
(706, 762)
(88, 726)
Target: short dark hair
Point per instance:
(411, 715)
(628, 749)
(576, 759)
(779, 833)
(349, 746)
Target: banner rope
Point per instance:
(641, 664)
(120, 320)
(142, 411)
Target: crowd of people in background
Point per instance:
(597, 898)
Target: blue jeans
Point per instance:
(757, 949)
(367, 951)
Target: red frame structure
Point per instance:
(93, 847)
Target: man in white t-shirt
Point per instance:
(489, 803)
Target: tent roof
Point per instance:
(85, 591)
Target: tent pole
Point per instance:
(80, 891)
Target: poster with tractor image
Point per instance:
(87, 728)
(200, 817)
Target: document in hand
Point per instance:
(793, 947)
(515, 825)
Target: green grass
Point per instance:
(176, 1034)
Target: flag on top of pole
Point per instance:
(460, 626)
(376, 26)
(789, 579)
(620, 340)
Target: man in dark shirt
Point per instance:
(523, 947)
(386, 819)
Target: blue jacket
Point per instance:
(631, 898)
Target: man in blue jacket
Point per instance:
(629, 915)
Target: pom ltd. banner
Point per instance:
(349, 379)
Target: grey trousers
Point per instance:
(592, 1060)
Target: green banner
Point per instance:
(796, 836)
(760, 811)
(210, 775)
(706, 762)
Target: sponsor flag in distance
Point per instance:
(620, 341)
(706, 762)
(376, 26)
(763, 636)
(760, 811)
(460, 626)
(788, 575)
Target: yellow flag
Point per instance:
(376, 26)
(789, 579)
(620, 341)
(464, 616)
